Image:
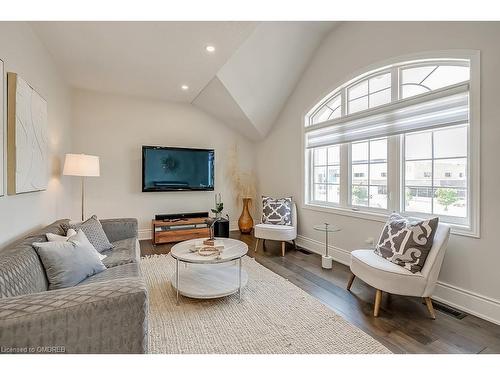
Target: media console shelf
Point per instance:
(165, 231)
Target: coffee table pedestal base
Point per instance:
(206, 281)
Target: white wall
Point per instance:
(469, 277)
(115, 128)
(23, 53)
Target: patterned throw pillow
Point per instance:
(276, 211)
(406, 243)
(94, 232)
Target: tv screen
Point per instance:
(177, 169)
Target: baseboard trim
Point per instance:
(339, 255)
(144, 234)
(484, 307)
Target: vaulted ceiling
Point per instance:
(245, 82)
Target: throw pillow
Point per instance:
(406, 243)
(67, 263)
(51, 237)
(276, 211)
(94, 232)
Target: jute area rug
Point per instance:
(273, 317)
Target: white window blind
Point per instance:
(445, 107)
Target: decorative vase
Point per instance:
(245, 222)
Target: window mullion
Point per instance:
(344, 175)
(395, 84)
(394, 185)
(343, 101)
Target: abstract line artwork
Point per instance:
(1, 128)
(27, 138)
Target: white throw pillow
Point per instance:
(51, 237)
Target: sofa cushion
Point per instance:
(67, 263)
(387, 276)
(276, 211)
(118, 272)
(123, 252)
(406, 243)
(94, 232)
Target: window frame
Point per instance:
(368, 163)
(395, 164)
(452, 220)
(312, 183)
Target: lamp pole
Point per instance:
(83, 198)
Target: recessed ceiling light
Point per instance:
(185, 87)
(210, 48)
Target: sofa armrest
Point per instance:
(103, 317)
(119, 229)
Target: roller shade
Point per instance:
(434, 110)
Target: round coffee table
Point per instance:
(211, 276)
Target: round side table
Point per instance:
(327, 260)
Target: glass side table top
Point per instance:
(327, 228)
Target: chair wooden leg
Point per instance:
(378, 299)
(351, 280)
(428, 302)
(283, 248)
(256, 244)
(294, 244)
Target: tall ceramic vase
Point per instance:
(245, 222)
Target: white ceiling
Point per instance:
(244, 83)
(150, 59)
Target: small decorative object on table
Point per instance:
(221, 226)
(219, 206)
(327, 260)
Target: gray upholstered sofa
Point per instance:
(106, 313)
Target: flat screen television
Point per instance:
(177, 169)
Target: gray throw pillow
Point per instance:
(406, 243)
(276, 211)
(94, 232)
(67, 263)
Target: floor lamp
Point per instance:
(83, 166)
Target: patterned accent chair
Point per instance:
(276, 232)
(386, 276)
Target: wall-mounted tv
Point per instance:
(177, 169)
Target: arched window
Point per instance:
(397, 138)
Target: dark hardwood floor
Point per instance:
(403, 326)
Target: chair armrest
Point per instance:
(119, 229)
(103, 317)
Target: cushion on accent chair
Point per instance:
(94, 232)
(406, 243)
(276, 211)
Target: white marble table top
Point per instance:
(233, 249)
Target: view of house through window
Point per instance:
(369, 173)
(425, 114)
(326, 166)
(436, 172)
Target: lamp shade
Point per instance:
(81, 165)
